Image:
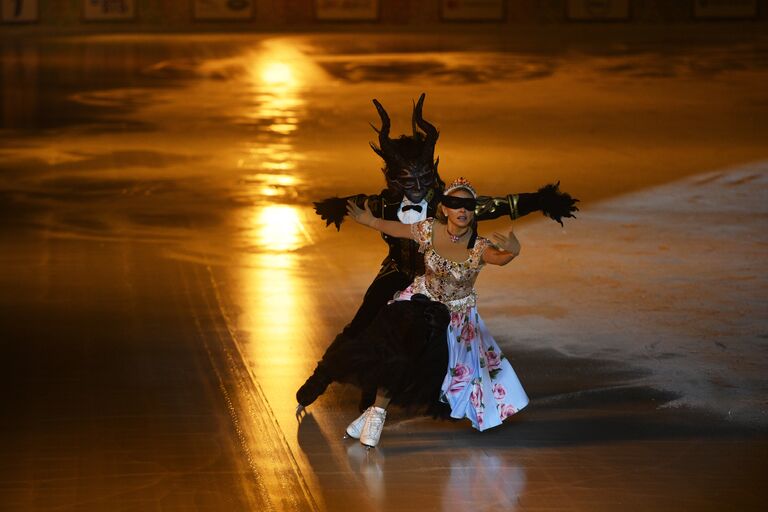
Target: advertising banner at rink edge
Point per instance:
(18, 11)
(725, 8)
(222, 9)
(342, 10)
(469, 10)
(96, 10)
(598, 9)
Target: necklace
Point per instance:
(455, 238)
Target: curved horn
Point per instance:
(414, 127)
(430, 131)
(384, 140)
(425, 126)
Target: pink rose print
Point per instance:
(461, 372)
(493, 360)
(460, 375)
(468, 332)
(456, 319)
(476, 398)
(499, 392)
(480, 419)
(506, 410)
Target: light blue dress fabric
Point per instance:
(480, 383)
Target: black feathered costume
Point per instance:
(409, 166)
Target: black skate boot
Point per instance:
(315, 385)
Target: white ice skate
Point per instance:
(355, 428)
(374, 424)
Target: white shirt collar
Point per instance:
(412, 216)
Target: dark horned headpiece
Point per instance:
(408, 157)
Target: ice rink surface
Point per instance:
(165, 286)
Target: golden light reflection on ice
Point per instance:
(277, 77)
(269, 156)
(276, 228)
(277, 300)
(277, 73)
(261, 185)
(275, 293)
(273, 290)
(279, 165)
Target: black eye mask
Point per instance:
(454, 203)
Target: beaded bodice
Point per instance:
(444, 280)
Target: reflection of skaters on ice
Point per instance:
(478, 473)
(413, 191)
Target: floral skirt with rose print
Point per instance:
(480, 384)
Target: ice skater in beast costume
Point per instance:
(414, 189)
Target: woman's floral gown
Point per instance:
(480, 383)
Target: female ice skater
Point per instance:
(408, 354)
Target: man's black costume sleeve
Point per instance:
(333, 209)
(554, 204)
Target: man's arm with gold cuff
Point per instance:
(548, 199)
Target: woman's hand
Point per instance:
(360, 215)
(508, 243)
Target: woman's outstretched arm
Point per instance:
(508, 249)
(389, 227)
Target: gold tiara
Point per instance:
(460, 182)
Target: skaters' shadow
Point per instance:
(311, 439)
(574, 401)
(337, 481)
(574, 425)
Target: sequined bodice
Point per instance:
(444, 280)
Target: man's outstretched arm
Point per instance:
(333, 209)
(548, 199)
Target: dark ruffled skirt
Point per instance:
(404, 351)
